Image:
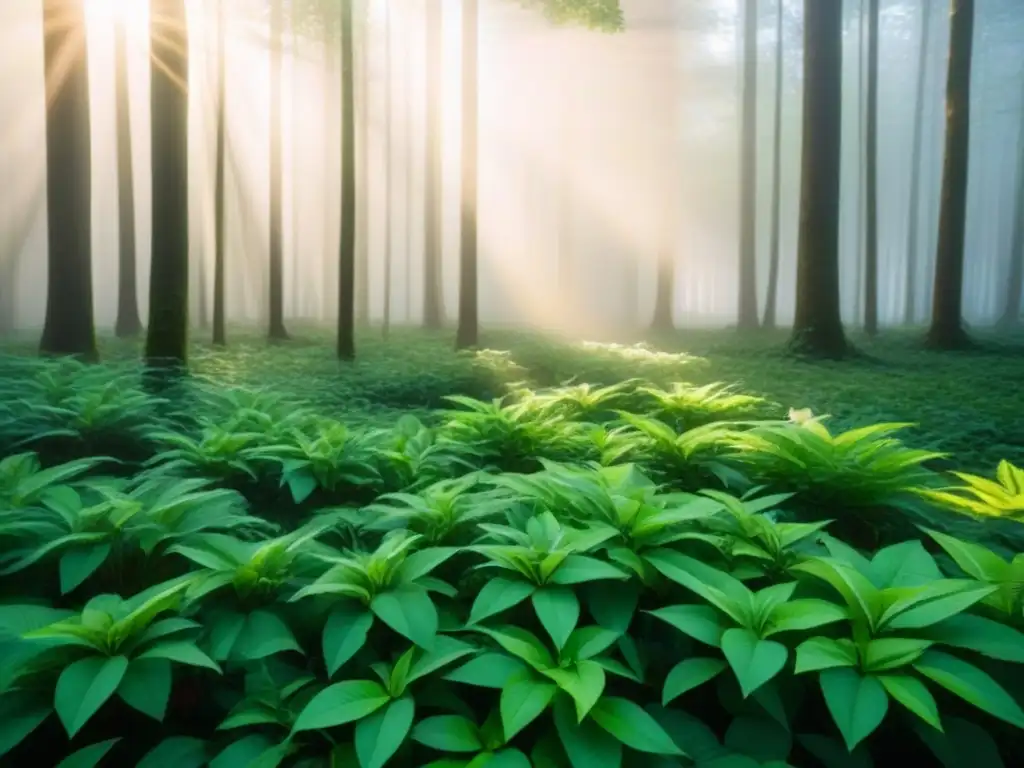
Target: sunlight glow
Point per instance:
(133, 13)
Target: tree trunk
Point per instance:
(871, 251)
(346, 343)
(363, 181)
(220, 256)
(910, 287)
(15, 229)
(128, 323)
(771, 298)
(748, 183)
(409, 157)
(947, 330)
(817, 327)
(386, 323)
(1015, 276)
(167, 332)
(276, 329)
(433, 287)
(468, 333)
(331, 132)
(664, 291)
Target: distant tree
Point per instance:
(167, 330)
(220, 256)
(433, 291)
(664, 291)
(817, 326)
(947, 331)
(468, 331)
(346, 344)
(68, 329)
(128, 323)
(871, 178)
(748, 171)
(1015, 276)
(913, 228)
(771, 297)
(16, 226)
(362, 107)
(276, 329)
(388, 208)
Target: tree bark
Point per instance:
(913, 228)
(68, 329)
(346, 344)
(771, 298)
(128, 323)
(220, 255)
(167, 330)
(871, 250)
(468, 333)
(433, 287)
(947, 330)
(817, 327)
(276, 329)
(748, 183)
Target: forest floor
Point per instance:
(969, 404)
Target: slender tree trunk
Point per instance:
(128, 323)
(913, 228)
(331, 132)
(871, 252)
(817, 327)
(15, 228)
(947, 330)
(167, 330)
(388, 211)
(433, 287)
(363, 180)
(68, 328)
(773, 264)
(468, 332)
(409, 156)
(664, 291)
(1015, 276)
(748, 183)
(299, 286)
(220, 256)
(276, 329)
(346, 344)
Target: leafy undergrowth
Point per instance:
(632, 572)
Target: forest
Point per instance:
(511, 383)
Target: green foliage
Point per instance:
(1002, 497)
(599, 15)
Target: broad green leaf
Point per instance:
(176, 752)
(421, 563)
(587, 642)
(523, 644)
(225, 628)
(379, 735)
(79, 563)
(754, 661)
(634, 727)
(84, 686)
(18, 720)
(613, 607)
(861, 596)
(584, 683)
(727, 593)
(345, 634)
(558, 611)
(809, 613)
(88, 757)
(976, 633)
(146, 686)
(974, 559)
(585, 743)
(410, 612)
(970, 684)
(341, 703)
(887, 653)
(963, 744)
(579, 569)
(701, 622)
(818, 653)
(499, 595)
(246, 751)
(522, 702)
(448, 733)
(758, 737)
(488, 670)
(934, 603)
(182, 652)
(687, 675)
(833, 754)
(506, 758)
(857, 703)
(912, 694)
(445, 651)
(264, 634)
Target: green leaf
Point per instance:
(146, 686)
(760, 738)
(445, 651)
(579, 569)
(887, 653)
(833, 754)
(341, 703)
(798, 615)
(976, 633)
(345, 633)
(584, 683)
(265, 634)
(631, 725)
(380, 735)
(448, 733)
(522, 702)
(586, 744)
(912, 694)
(613, 608)
(84, 686)
(176, 752)
(587, 642)
(410, 612)
(523, 644)
(970, 684)
(558, 611)
(963, 744)
(419, 564)
(499, 595)
(88, 757)
(818, 653)
(79, 563)
(244, 752)
(488, 670)
(182, 652)
(17, 721)
(857, 703)
(687, 675)
(861, 596)
(754, 661)
(934, 603)
(701, 622)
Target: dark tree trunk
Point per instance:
(818, 327)
(1015, 276)
(220, 256)
(913, 228)
(947, 331)
(664, 291)
(386, 323)
(771, 298)
(871, 251)
(68, 328)
(128, 323)
(363, 183)
(433, 291)
(468, 332)
(167, 330)
(346, 343)
(276, 329)
(748, 183)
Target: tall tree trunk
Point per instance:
(913, 228)
(331, 132)
(410, 152)
(468, 333)
(220, 256)
(1015, 276)
(947, 330)
(276, 329)
(818, 327)
(363, 181)
(748, 183)
(871, 251)
(771, 297)
(433, 287)
(128, 323)
(388, 211)
(68, 328)
(167, 331)
(664, 291)
(299, 286)
(346, 343)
